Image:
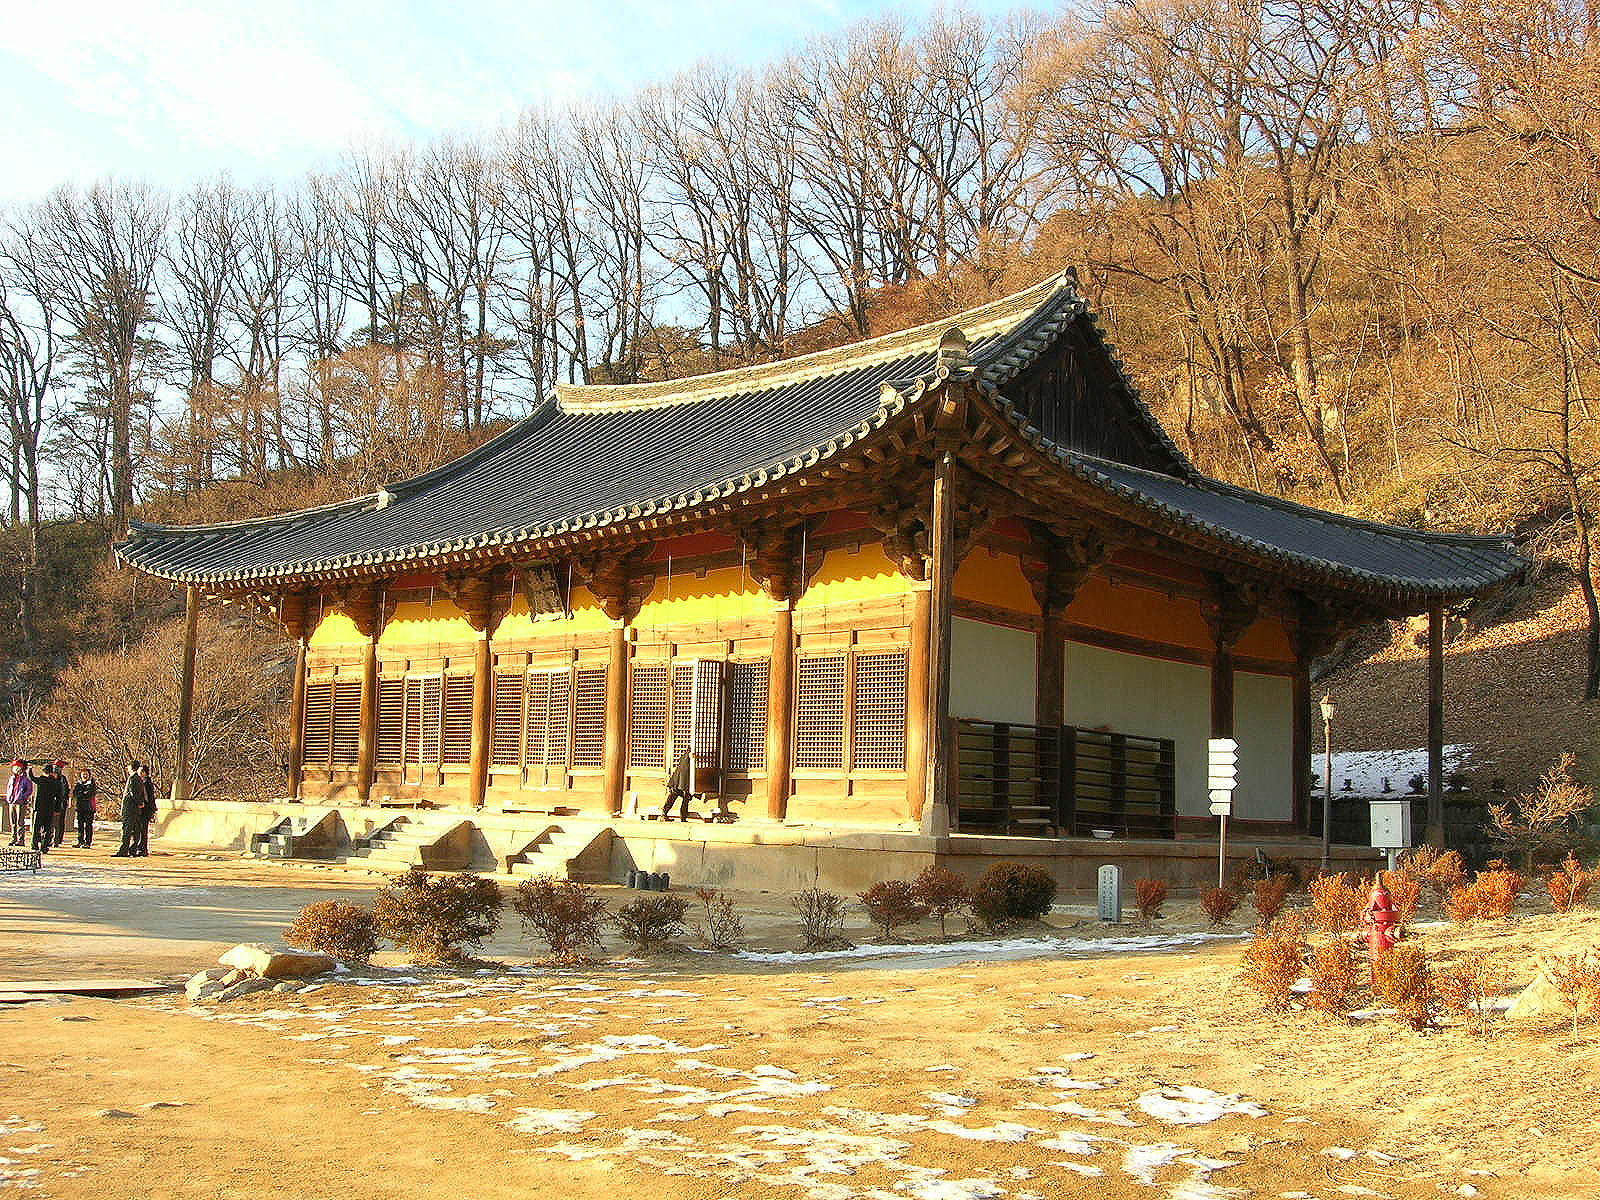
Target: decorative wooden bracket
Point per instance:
(360, 602)
(482, 596)
(291, 610)
(546, 586)
(904, 527)
(617, 580)
(972, 521)
(773, 550)
(1070, 559)
(1232, 609)
(1317, 626)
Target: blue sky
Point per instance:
(174, 90)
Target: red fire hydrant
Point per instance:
(1381, 920)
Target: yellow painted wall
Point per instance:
(847, 575)
(416, 623)
(587, 617)
(1141, 613)
(725, 595)
(335, 629)
(1266, 639)
(994, 577)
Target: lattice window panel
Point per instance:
(706, 715)
(391, 721)
(682, 708)
(536, 705)
(428, 721)
(647, 716)
(878, 741)
(747, 715)
(506, 724)
(819, 714)
(457, 743)
(346, 721)
(589, 717)
(318, 727)
(558, 725)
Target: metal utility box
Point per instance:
(1391, 824)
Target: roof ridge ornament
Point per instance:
(954, 350)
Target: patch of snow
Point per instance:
(550, 1120)
(1142, 1162)
(1190, 1105)
(998, 949)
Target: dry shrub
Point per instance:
(821, 919)
(1333, 969)
(1404, 891)
(1577, 978)
(1569, 887)
(1148, 896)
(942, 892)
(1336, 904)
(1466, 987)
(1273, 962)
(1545, 821)
(1267, 896)
(1218, 904)
(1490, 896)
(435, 916)
(563, 914)
(1010, 892)
(1442, 871)
(650, 922)
(1402, 978)
(891, 903)
(347, 932)
(723, 928)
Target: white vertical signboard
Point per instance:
(1222, 776)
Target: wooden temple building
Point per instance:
(949, 592)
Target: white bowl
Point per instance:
(1102, 834)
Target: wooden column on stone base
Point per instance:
(936, 815)
(1435, 829)
(1230, 611)
(290, 611)
(772, 549)
(1070, 556)
(483, 598)
(619, 583)
(360, 602)
(918, 701)
(1313, 631)
(191, 617)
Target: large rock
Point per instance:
(267, 963)
(206, 983)
(1539, 1001)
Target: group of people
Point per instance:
(40, 802)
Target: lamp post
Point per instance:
(1327, 776)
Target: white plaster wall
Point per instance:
(993, 672)
(1263, 725)
(1150, 697)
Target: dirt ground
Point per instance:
(1079, 1060)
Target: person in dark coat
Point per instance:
(132, 812)
(85, 799)
(147, 809)
(63, 800)
(680, 786)
(44, 808)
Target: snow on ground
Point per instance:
(993, 949)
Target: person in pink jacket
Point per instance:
(19, 797)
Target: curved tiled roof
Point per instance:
(611, 456)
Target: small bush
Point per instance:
(1405, 891)
(1148, 896)
(942, 892)
(347, 932)
(1333, 969)
(561, 913)
(1569, 887)
(723, 928)
(821, 919)
(1218, 904)
(650, 922)
(891, 903)
(1441, 871)
(1577, 978)
(435, 916)
(1336, 904)
(1267, 896)
(1010, 892)
(1490, 896)
(1466, 987)
(1402, 978)
(1273, 961)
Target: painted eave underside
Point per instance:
(601, 461)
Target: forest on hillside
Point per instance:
(1349, 250)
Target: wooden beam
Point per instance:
(780, 709)
(191, 616)
(616, 740)
(297, 720)
(482, 675)
(367, 751)
(936, 814)
(917, 703)
(1435, 831)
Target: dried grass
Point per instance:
(1336, 904)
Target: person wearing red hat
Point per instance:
(19, 797)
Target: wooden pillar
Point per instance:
(1301, 749)
(367, 752)
(1222, 693)
(482, 676)
(1050, 684)
(780, 710)
(616, 743)
(191, 617)
(1435, 831)
(917, 704)
(297, 720)
(936, 815)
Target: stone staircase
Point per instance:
(413, 840)
(299, 836)
(554, 851)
